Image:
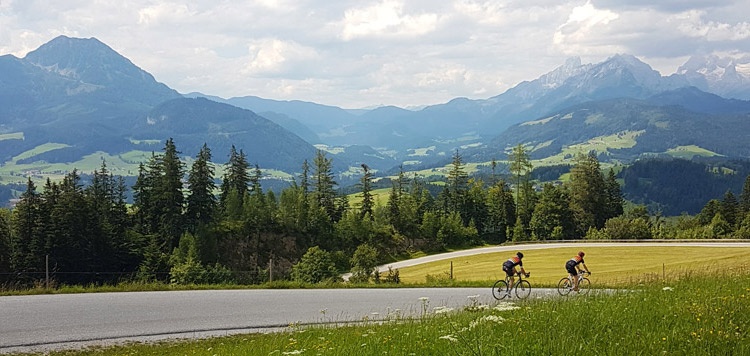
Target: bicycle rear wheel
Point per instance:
(523, 289)
(500, 289)
(584, 286)
(563, 287)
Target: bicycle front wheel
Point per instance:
(523, 289)
(500, 289)
(563, 287)
(584, 286)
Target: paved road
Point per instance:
(46, 322)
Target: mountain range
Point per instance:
(75, 98)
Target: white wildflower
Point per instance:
(295, 352)
(449, 337)
(442, 310)
(493, 318)
(505, 306)
(667, 289)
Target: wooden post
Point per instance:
(663, 272)
(451, 270)
(46, 271)
(270, 270)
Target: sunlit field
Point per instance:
(611, 266)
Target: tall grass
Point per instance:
(695, 315)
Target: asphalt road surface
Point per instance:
(45, 322)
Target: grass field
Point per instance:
(611, 266)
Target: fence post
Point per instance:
(451, 270)
(46, 271)
(663, 272)
(270, 270)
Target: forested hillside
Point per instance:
(179, 230)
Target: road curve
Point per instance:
(40, 323)
(539, 246)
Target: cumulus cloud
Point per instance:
(386, 19)
(274, 56)
(397, 52)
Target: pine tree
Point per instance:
(236, 177)
(615, 200)
(501, 210)
(28, 238)
(323, 185)
(201, 201)
(367, 200)
(170, 196)
(5, 245)
(588, 193)
(520, 168)
(457, 187)
(729, 208)
(744, 202)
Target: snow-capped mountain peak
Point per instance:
(724, 76)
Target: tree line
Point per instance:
(186, 225)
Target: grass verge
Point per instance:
(695, 315)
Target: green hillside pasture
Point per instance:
(688, 152)
(40, 171)
(12, 136)
(39, 150)
(380, 196)
(611, 266)
(125, 164)
(696, 316)
(601, 144)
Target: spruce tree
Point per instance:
(201, 201)
(367, 200)
(169, 194)
(324, 185)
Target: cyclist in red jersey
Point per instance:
(509, 267)
(573, 268)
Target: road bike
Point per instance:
(522, 288)
(565, 286)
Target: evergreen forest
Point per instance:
(187, 226)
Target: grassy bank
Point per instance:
(695, 315)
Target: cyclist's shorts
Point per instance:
(509, 270)
(571, 268)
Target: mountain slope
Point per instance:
(624, 129)
(193, 122)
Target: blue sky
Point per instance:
(386, 52)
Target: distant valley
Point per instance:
(74, 102)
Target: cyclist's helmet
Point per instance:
(519, 254)
(580, 253)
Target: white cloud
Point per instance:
(385, 19)
(584, 22)
(165, 12)
(272, 56)
(376, 52)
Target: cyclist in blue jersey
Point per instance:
(509, 267)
